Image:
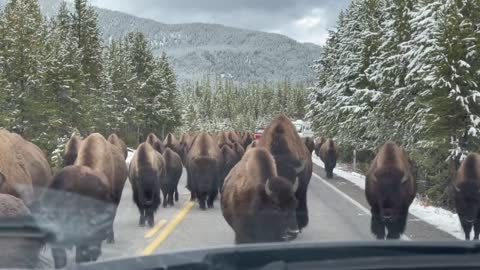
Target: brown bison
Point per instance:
(222, 139)
(171, 142)
(310, 144)
(155, 142)
(101, 156)
(185, 144)
(80, 205)
(238, 148)
(390, 188)
(119, 143)
(247, 139)
(174, 168)
(293, 160)
(35, 162)
(257, 203)
(71, 150)
(203, 167)
(318, 145)
(329, 156)
(17, 252)
(233, 137)
(467, 195)
(229, 159)
(147, 171)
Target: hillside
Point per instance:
(197, 49)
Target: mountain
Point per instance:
(199, 49)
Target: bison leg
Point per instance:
(59, 257)
(377, 226)
(193, 196)
(176, 194)
(141, 223)
(165, 196)
(467, 228)
(110, 234)
(395, 229)
(212, 196)
(150, 218)
(476, 229)
(170, 196)
(202, 197)
(302, 210)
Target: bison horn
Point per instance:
(300, 167)
(267, 188)
(405, 178)
(295, 185)
(457, 189)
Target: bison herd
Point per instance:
(262, 184)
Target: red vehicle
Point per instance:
(258, 133)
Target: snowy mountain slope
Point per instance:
(198, 49)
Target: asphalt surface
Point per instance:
(337, 209)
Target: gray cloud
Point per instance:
(303, 20)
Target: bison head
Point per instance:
(280, 208)
(391, 193)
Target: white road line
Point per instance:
(352, 201)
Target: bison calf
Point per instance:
(390, 188)
(467, 195)
(258, 204)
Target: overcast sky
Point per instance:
(303, 20)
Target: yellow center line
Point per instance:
(168, 229)
(155, 229)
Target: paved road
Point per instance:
(338, 212)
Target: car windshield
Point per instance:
(134, 128)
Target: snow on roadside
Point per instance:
(442, 219)
(129, 156)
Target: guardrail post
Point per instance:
(354, 160)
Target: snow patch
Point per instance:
(442, 219)
(129, 156)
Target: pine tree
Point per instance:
(21, 52)
(87, 35)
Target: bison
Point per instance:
(293, 160)
(390, 188)
(239, 150)
(101, 156)
(119, 143)
(229, 159)
(467, 195)
(309, 143)
(203, 167)
(172, 143)
(318, 145)
(147, 171)
(174, 168)
(17, 251)
(80, 205)
(35, 162)
(233, 137)
(329, 155)
(247, 139)
(155, 142)
(257, 203)
(71, 150)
